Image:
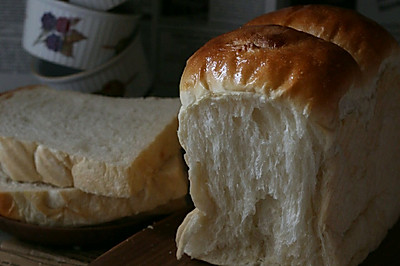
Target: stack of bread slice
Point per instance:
(71, 159)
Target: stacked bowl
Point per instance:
(82, 45)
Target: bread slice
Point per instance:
(46, 205)
(292, 140)
(101, 145)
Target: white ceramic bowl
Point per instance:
(98, 4)
(74, 36)
(125, 75)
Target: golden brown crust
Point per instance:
(8, 94)
(47, 205)
(363, 38)
(274, 61)
(7, 206)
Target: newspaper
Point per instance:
(15, 62)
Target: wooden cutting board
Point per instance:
(155, 245)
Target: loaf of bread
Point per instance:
(100, 145)
(47, 205)
(291, 129)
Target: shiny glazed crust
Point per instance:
(274, 61)
(363, 38)
(311, 55)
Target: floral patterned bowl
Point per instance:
(124, 75)
(98, 4)
(74, 36)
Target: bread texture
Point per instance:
(46, 205)
(290, 126)
(100, 145)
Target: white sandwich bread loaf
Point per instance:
(46, 205)
(291, 129)
(100, 145)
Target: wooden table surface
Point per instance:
(150, 245)
(155, 245)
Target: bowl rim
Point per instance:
(95, 3)
(113, 231)
(83, 73)
(86, 11)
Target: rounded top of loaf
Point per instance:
(368, 42)
(274, 61)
